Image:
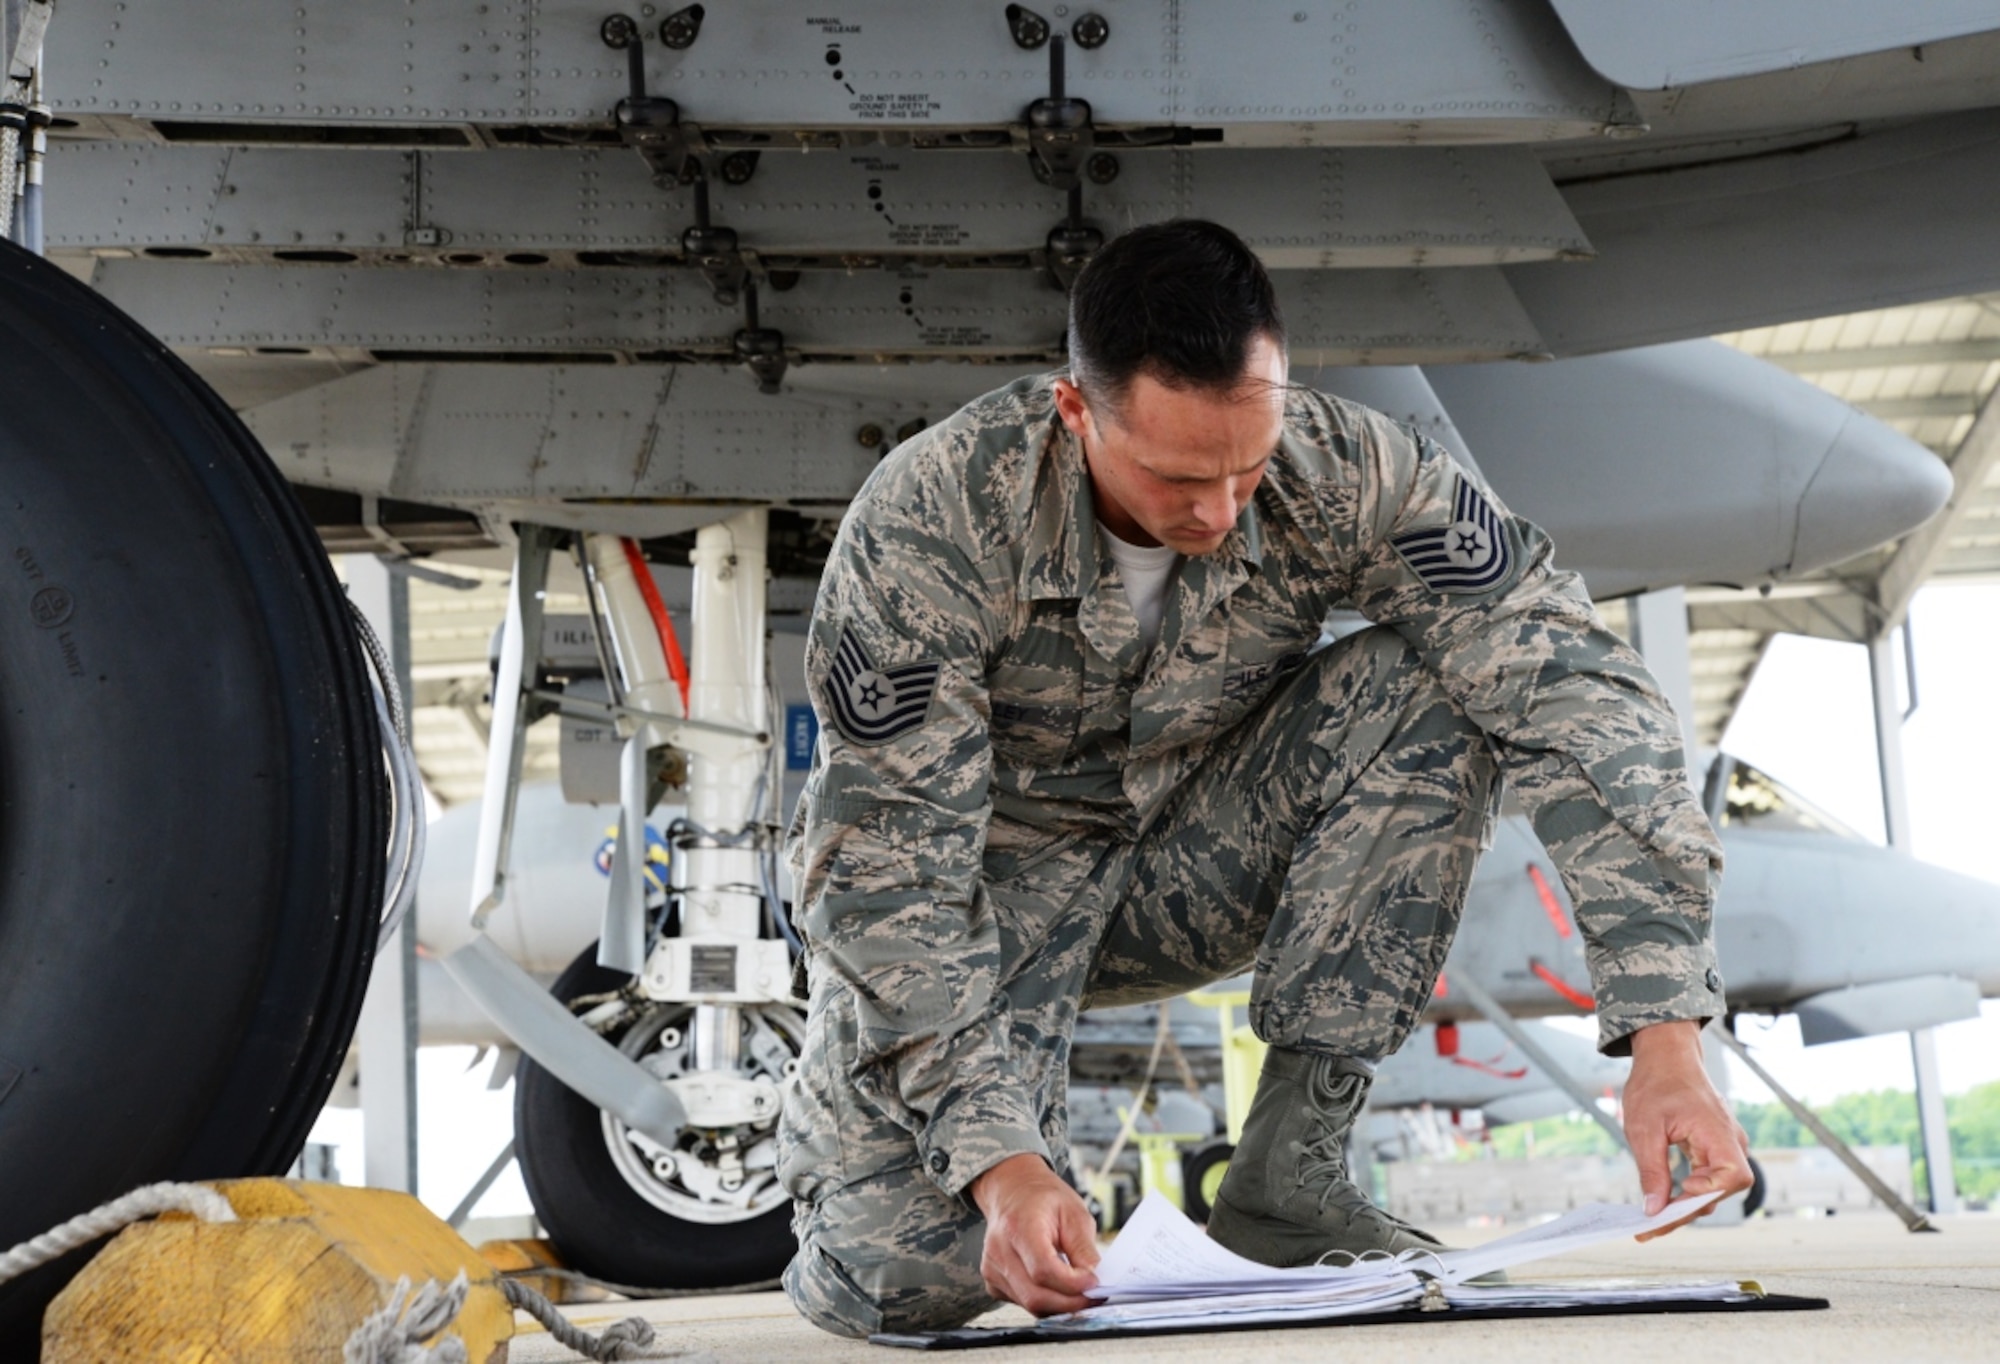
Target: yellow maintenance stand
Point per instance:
(1242, 1061)
(286, 1283)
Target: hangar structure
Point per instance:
(484, 280)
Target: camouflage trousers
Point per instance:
(1327, 843)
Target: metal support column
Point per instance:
(1660, 633)
(387, 1034)
(1889, 717)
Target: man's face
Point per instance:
(1177, 466)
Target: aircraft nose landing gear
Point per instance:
(705, 1212)
(653, 1160)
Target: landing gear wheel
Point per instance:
(193, 804)
(1753, 1201)
(1202, 1170)
(708, 1213)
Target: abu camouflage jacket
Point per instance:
(980, 682)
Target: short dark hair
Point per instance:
(1181, 301)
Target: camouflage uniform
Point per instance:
(1016, 811)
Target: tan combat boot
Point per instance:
(1286, 1199)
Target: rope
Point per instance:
(625, 1339)
(148, 1201)
(391, 1335)
(634, 1291)
(394, 1334)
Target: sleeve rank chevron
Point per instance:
(1469, 555)
(872, 705)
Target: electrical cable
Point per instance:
(409, 828)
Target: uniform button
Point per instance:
(1714, 980)
(940, 1162)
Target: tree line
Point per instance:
(1881, 1117)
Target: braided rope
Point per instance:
(395, 1333)
(148, 1201)
(625, 1339)
(639, 1292)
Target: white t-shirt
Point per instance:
(1147, 571)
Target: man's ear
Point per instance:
(1071, 408)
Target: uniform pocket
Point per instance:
(1036, 691)
(810, 1157)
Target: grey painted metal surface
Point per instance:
(1806, 103)
(1656, 446)
(1906, 1005)
(1299, 207)
(692, 438)
(1683, 42)
(1839, 896)
(562, 1044)
(1688, 463)
(1894, 216)
(1334, 317)
(1307, 71)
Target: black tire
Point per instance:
(193, 808)
(1198, 1168)
(599, 1223)
(1753, 1201)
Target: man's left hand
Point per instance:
(1670, 1103)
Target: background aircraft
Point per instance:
(476, 268)
(1801, 924)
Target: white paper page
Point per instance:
(1572, 1292)
(1161, 1254)
(1586, 1226)
(1325, 1303)
(1159, 1245)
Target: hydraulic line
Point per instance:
(669, 641)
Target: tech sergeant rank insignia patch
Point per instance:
(872, 705)
(1469, 555)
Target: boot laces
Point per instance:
(1325, 1155)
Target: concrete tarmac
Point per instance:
(1894, 1295)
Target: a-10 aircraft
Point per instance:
(651, 282)
(1802, 921)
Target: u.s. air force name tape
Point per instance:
(1469, 555)
(872, 705)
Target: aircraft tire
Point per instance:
(193, 807)
(599, 1222)
(1753, 1201)
(1201, 1172)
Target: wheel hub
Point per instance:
(723, 1167)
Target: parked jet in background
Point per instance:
(1796, 879)
(469, 271)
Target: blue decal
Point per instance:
(801, 733)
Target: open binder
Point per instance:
(1164, 1276)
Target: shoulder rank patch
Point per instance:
(1469, 555)
(872, 705)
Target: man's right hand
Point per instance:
(1041, 1242)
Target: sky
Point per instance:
(1806, 719)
